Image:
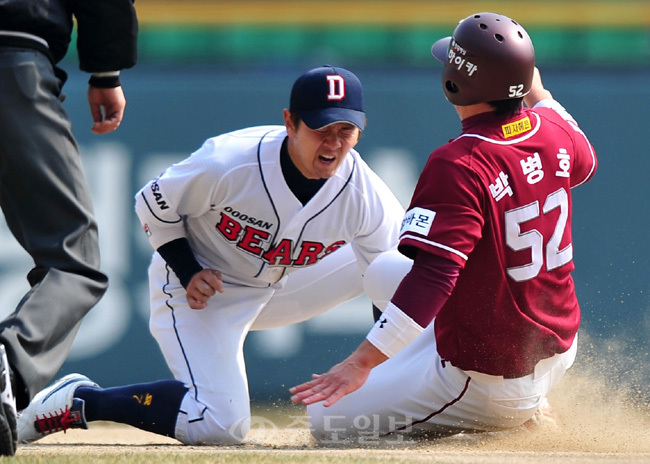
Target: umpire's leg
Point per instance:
(47, 206)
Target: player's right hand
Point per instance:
(203, 285)
(537, 92)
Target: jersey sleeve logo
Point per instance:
(418, 220)
(158, 196)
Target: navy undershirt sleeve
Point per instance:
(179, 256)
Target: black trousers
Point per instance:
(47, 206)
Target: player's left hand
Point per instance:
(106, 107)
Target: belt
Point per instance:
(541, 368)
(488, 378)
(23, 40)
(517, 376)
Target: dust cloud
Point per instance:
(600, 406)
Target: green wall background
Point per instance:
(606, 33)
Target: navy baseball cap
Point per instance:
(327, 95)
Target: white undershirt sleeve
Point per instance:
(393, 331)
(557, 107)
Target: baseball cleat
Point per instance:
(544, 418)
(54, 409)
(8, 410)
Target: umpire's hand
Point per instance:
(106, 107)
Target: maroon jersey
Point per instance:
(497, 201)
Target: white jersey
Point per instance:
(231, 201)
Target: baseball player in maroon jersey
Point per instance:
(484, 321)
(259, 228)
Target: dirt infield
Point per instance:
(598, 425)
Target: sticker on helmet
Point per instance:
(455, 56)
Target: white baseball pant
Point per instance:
(204, 349)
(415, 392)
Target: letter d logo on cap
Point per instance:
(337, 87)
(327, 95)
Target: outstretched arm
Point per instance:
(422, 293)
(343, 378)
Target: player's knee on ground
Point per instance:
(329, 426)
(316, 415)
(384, 275)
(228, 426)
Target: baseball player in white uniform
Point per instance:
(259, 228)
